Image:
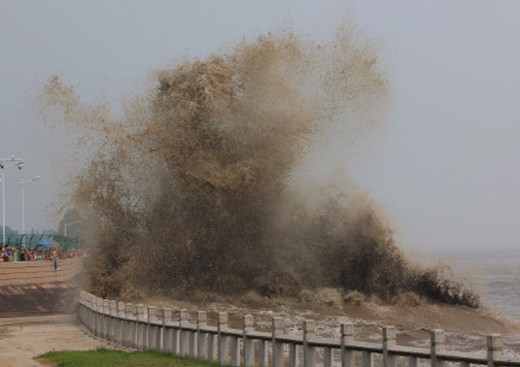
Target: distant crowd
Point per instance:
(11, 253)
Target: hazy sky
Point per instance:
(444, 163)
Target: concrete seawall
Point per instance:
(38, 272)
(31, 288)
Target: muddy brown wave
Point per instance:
(190, 189)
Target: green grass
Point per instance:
(116, 358)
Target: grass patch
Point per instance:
(116, 358)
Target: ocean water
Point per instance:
(495, 275)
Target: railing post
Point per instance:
(347, 336)
(99, 317)
(112, 320)
(368, 359)
(494, 348)
(327, 357)
(248, 326)
(99, 321)
(176, 336)
(235, 352)
(106, 318)
(277, 347)
(93, 313)
(140, 328)
(88, 311)
(202, 336)
(262, 353)
(130, 332)
(389, 336)
(293, 355)
(81, 300)
(149, 310)
(437, 344)
(120, 323)
(211, 347)
(184, 337)
(83, 308)
(167, 332)
(192, 342)
(154, 330)
(222, 340)
(308, 351)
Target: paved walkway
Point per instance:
(23, 338)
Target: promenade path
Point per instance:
(23, 338)
(37, 312)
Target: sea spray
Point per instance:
(189, 189)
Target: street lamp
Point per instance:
(22, 186)
(7, 163)
(69, 224)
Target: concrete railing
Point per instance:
(136, 327)
(38, 272)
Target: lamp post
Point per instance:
(69, 224)
(7, 163)
(22, 187)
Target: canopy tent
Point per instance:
(44, 242)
